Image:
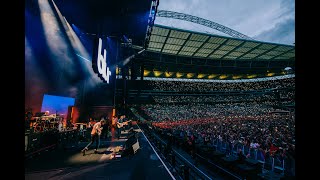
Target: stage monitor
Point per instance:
(57, 104)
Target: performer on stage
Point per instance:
(95, 136)
(119, 126)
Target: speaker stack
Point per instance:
(132, 144)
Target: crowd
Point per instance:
(220, 86)
(255, 120)
(271, 135)
(177, 112)
(215, 98)
(289, 94)
(262, 130)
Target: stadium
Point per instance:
(110, 93)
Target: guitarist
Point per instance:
(95, 135)
(126, 123)
(119, 126)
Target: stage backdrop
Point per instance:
(58, 61)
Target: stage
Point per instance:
(71, 164)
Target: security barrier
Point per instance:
(37, 142)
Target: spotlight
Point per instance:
(153, 10)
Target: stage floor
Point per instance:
(71, 164)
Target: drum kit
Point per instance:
(43, 122)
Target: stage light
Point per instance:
(190, 75)
(201, 76)
(117, 70)
(128, 59)
(223, 76)
(270, 74)
(146, 72)
(252, 76)
(153, 10)
(179, 75)
(157, 73)
(212, 76)
(236, 77)
(168, 74)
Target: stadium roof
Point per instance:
(178, 53)
(178, 42)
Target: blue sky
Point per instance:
(263, 20)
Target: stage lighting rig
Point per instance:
(151, 18)
(127, 43)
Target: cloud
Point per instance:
(282, 33)
(288, 8)
(250, 17)
(284, 30)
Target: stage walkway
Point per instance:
(71, 164)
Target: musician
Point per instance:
(95, 135)
(60, 126)
(119, 126)
(114, 121)
(125, 123)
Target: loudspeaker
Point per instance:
(135, 147)
(131, 140)
(131, 145)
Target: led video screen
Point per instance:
(56, 104)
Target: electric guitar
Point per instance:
(120, 125)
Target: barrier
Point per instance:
(179, 164)
(38, 142)
(254, 164)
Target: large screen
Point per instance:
(56, 104)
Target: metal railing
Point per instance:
(256, 159)
(180, 164)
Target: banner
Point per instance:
(104, 59)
